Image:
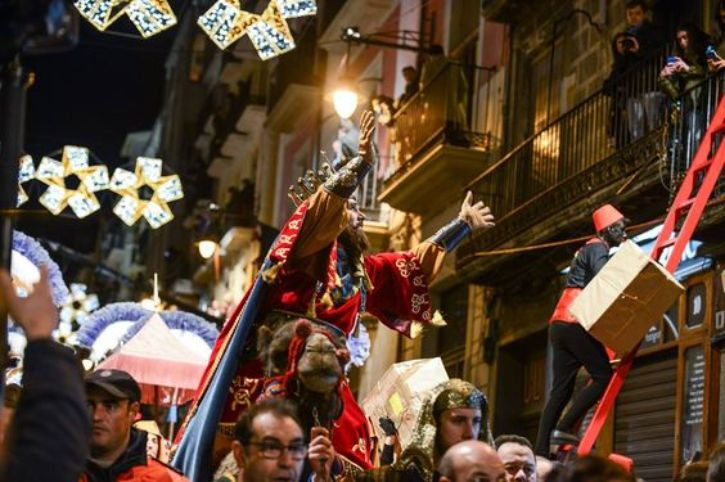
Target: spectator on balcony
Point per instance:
(452, 92)
(625, 50)
(410, 74)
(680, 79)
(687, 69)
(647, 34)
(434, 63)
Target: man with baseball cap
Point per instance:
(118, 451)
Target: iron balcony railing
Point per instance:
(454, 97)
(691, 114)
(626, 109)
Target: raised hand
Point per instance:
(367, 128)
(476, 215)
(36, 313)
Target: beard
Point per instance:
(355, 242)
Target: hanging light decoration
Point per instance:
(225, 23)
(78, 305)
(26, 172)
(58, 195)
(297, 8)
(161, 189)
(149, 16)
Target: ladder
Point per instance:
(704, 172)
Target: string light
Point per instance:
(225, 23)
(58, 195)
(297, 8)
(130, 185)
(149, 16)
(26, 172)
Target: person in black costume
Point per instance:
(573, 347)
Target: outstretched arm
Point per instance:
(400, 280)
(472, 217)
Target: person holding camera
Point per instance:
(625, 51)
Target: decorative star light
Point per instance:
(149, 16)
(78, 305)
(26, 172)
(130, 185)
(81, 199)
(225, 23)
(297, 8)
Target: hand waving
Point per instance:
(476, 215)
(35, 313)
(367, 128)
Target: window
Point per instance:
(696, 303)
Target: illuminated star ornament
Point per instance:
(149, 16)
(145, 192)
(78, 305)
(26, 172)
(225, 23)
(58, 176)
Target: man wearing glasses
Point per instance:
(270, 445)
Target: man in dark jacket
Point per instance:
(48, 437)
(118, 451)
(573, 347)
(648, 35)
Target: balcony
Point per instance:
(436, 150)
(545, 189)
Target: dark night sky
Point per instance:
(92, 96)
(95, 94)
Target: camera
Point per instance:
(628, 44)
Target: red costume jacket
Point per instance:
(304, 273)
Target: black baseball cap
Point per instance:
(118, 383)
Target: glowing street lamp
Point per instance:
(345, 99)
(207, 248)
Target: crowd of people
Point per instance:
(297, 420)
(68, 427)
(639, 104)
(276, 382)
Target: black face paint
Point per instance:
(615, 234)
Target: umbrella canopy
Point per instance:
(155, 356)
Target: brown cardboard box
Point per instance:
(400, 393)
(625, 298)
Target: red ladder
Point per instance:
(703, 162)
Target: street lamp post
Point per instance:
(12, 137)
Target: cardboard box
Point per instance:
(400, 393)
(625, 298)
